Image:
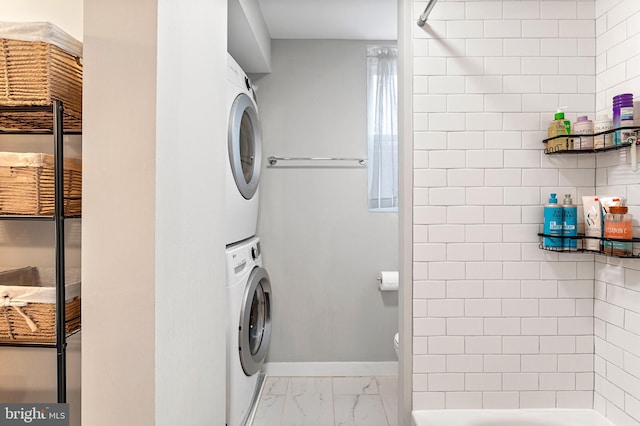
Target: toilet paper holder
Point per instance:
(388, 280)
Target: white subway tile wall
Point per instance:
(617, 296)
(499, 323)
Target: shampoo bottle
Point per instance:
(553, 224)
(569, 223)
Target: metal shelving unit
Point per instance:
(576, 141)
(57, 131)
(580, 245)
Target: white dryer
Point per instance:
(244, 148)
(248, 295)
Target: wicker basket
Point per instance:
(27, 184)
(28, 312)
(37, 73)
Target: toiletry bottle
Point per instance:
(559, 126)
(552, 224)
(569, 223)
(583, 126)
(622, 116)
(627, 117)
(592, 222)
(618, 224)
(602, 124)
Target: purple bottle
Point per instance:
(622, 116)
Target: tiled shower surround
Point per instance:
(499, 323)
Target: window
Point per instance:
(382, 127)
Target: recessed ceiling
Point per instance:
(331, 19)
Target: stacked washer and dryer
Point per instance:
(248, 289)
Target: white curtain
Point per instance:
(382, 123)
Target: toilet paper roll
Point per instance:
(388, 280)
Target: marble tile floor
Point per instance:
(328, 401)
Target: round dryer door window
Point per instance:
(245, 145)
(255, 322)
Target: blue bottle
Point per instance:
(569, 223)
(553, 224)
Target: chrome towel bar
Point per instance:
(274, 160)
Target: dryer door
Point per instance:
(245, 145)
(255, 321)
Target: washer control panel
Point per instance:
(255, 251)
(242, 257)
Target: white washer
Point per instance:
(248, 327)
(244, 149)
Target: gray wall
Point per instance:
(322, 248)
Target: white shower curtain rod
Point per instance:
(423, 18)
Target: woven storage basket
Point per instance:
(28, 312)
(27, 184)
(37, 73)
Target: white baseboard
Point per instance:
(354, 369)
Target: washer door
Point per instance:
(245, 145)
(255, 321)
